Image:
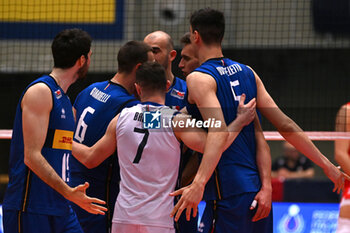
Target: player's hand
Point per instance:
(264, 201)
(336, 176)
(79, 197)
(246, 112)
(191, 196)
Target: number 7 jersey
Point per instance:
(149, 163)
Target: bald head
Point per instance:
(163, 49)
(161, 37)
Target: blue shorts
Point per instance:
(233, 215)
(92, 223)
(184, 226)
(24, 222)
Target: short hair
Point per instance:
(185, 39)
(210, 25)
(68, 46)
(131, 54)
(151, 77)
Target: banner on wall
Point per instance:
(33, 19)
(305, 217)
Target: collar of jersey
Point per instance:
(151, 103)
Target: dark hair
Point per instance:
(210, 25)
(68, 46)
(151, 77)
(131, 54)
(185, 39)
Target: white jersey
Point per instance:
(149, 163)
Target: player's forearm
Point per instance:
(39, 165)
(263, 161)
(296, 136)
(190, 170)
(81, 153)
(213, 150)
(233, 130)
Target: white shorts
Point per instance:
(343, 225)
(346, 194)
(131, 228)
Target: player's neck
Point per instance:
(153, 98)
(64, 77)
(125, 81)
(170, 76)
(208, 52)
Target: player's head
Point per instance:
(162, 47)
(209, 24)
(189, 60)
(71, 46)
(290, 152)
(132, 54)
(151, 80)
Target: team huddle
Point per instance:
(98, 167)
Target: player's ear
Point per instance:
(167, 85)
(172, 54)
(138, 89)
(196, 36)
(136, 67)
(81, 61)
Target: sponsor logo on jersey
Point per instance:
(62, 139)
(58, 94)
(177, 94)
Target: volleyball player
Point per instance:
(342, 156)
(149, 158)
(188, 61)
(163, 49)
(37, 193)
(95, 107)
(221, 82)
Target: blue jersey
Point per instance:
(237, 171)
(175, 97)
(95, 107)
(26, 191)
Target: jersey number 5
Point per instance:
(142, 144)
(233, 85)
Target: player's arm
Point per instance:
(263, 161)
(341, 147)
(209, 106)
(36, 107)
(295, 135)
(245, 114)
(93, 156)
(189, 134)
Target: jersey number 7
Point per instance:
(142, 144)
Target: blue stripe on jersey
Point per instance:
(237, 169)
(27, 191)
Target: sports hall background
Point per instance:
(299, 48)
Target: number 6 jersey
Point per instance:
(149, 163)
